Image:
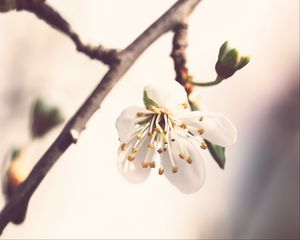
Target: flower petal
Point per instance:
(132, 171)
(168, 94)
(126, 122)
(190, 177)
(218, 129)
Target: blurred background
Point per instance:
(84, 196)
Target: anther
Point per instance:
(161, 171)
(150, 134)
(139, 136)
(201, 119)
(181, 155)
(134, 149)
(123, 146)
(174, 169)
(140, 114)
(185, 105)
(183, 125)
(150, 145)
(130, 157)
(173, 139)
(203, 145)
(152, 164)
(145, 164)
(165, 149)
(201, 131)
(189, 160)
(160, 150)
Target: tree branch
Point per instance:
(46, 13)
(179, 57)
(175, 16)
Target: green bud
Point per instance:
(44, 118)
(229, 61)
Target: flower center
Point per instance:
(162, 134)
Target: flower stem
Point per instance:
(208, 84)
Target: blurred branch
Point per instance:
(173, 18)
(45, 12)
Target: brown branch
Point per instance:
(46, 13)
(179, 57)
(175, 16)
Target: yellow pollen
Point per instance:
(134, 149)
(130, 157)
(140, 114)
(152, 164)
(183, 125)
(139, 136)
(189, 160)
(160, 150)
(201, 131)
(174, 169)
(145, 164)
(150, 145)
(201, 119)
(185, 105)
(123, 146)
(160, 171)
(203, 145)
(158, 130)
(181, 155)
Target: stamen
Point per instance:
(185, 105)
(203, 145)
(145, 164)
(161, 171)
(181, 155)
(150, 134)
(123, 146)
(150, 145)
(140, 114)
(174, 169)
(160, 150)
(173, 139)
(201, 131)
(134, 149)
(131, 157)
(139, 136)
(189, 160)
(183, 125)
(152, 164)
(201, 119)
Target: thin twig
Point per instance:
(171, 19)
(178, 55)
(52, 17)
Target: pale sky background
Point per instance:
(84, 196)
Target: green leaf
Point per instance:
(148, 101)
(217, 152)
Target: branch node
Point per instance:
(74, 135)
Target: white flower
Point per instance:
(168, 136)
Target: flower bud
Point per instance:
(229, 61)
(44, 118)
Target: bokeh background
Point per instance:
(255, 197)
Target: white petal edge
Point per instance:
(190, 177)
(168, 94)
(218, 129)
(132, 171)
(126, 121)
